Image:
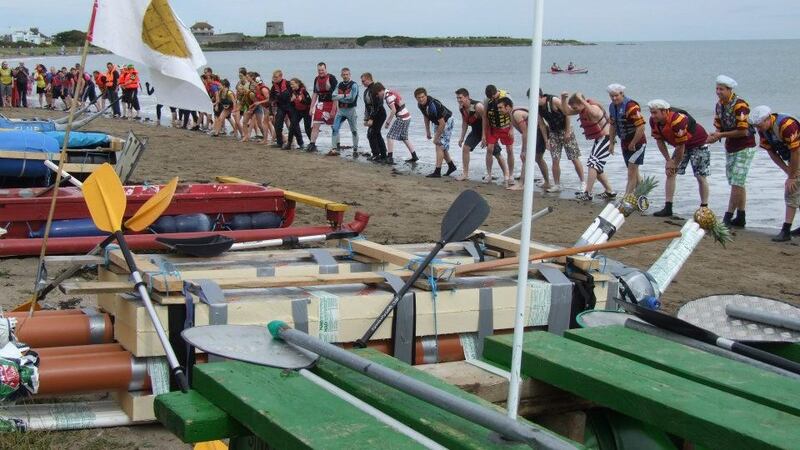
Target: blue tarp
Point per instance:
(29, 125)
(81, 139)
(25, 141)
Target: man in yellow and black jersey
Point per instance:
(497, 127)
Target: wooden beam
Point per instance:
(745, 381)
(286, 410)
(702, 414)
(398, 257)
(294, 196)
(192, 418)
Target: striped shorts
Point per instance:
(599, 154)
(398, 131)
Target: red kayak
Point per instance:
(244, 212)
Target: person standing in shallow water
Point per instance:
(434, 111)
(497, 131)
(397, 121)
(472, 112)
(730, 120)
(559, 137)
(779, 135)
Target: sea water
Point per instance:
(682, 73)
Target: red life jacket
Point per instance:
(302, 101)
(592, 130)
(260, 97)
(469, 114)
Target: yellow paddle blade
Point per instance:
(152, 208)
(210, 445)
(105, 198)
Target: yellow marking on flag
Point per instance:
(161, 32)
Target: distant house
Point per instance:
(274, 28)
(202, 29)
(31, 36)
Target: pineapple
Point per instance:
(637, 200)
(708, 221)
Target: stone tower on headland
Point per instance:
(274, 28)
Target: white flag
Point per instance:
(149, 32)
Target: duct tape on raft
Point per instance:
(485, 317)
(159, 374)
(97, 325)
(138, 374)
(327, 264)
(538, 310)
(403, 322)
(328, 316)
(300, 314)
(677, 252)
(430, 349)
(560, 302)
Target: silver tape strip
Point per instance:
(300, 314)
(430, 350)
(560, 299)
(265, 271)
(97, 325)
(327, 264)
(138, 374)
(485, 317)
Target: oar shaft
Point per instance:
(172, 360)
(489, 265)
(759, 355)
(539, 214)
(473, 412)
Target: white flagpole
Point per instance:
(527, 209)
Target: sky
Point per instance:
(587, 20)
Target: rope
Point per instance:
(165, 269)
(107, 253)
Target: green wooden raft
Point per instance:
(250, 403)
(706, 399)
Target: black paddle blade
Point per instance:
(202, 247)
(669, 323)
(465, 215)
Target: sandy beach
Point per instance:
(408, 208)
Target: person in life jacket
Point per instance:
(626, 124)
(346, 96)
(322, 105)
(497, 128)
(779, 135)
(559, 137)
(280, 93)
(41, 83)
(256, 114)
(730, 120)
(301, 111)
(112, 82)
(594, 123)
(6, 84)
(433, 111)
(673, 127)
(130, 88)
(374, 117)
(519, 120)
(472, 112)
(224, 105)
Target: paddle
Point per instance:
(105, 198)
(684, 328)
(287, 348)
(141, 219)
(465, 215)
(216, 244)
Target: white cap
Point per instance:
(615, 88)
(658, 104)
(758, 114)
(726, 81)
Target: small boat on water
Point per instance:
(570, 72)
(244, 212)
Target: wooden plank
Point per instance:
(397, 257)
(294, 196)
(192, 418)
(742, 380)
(286, 410)
(511, 245)
(700, 413)
(440, 425)
(96, 287)
(536, 397)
